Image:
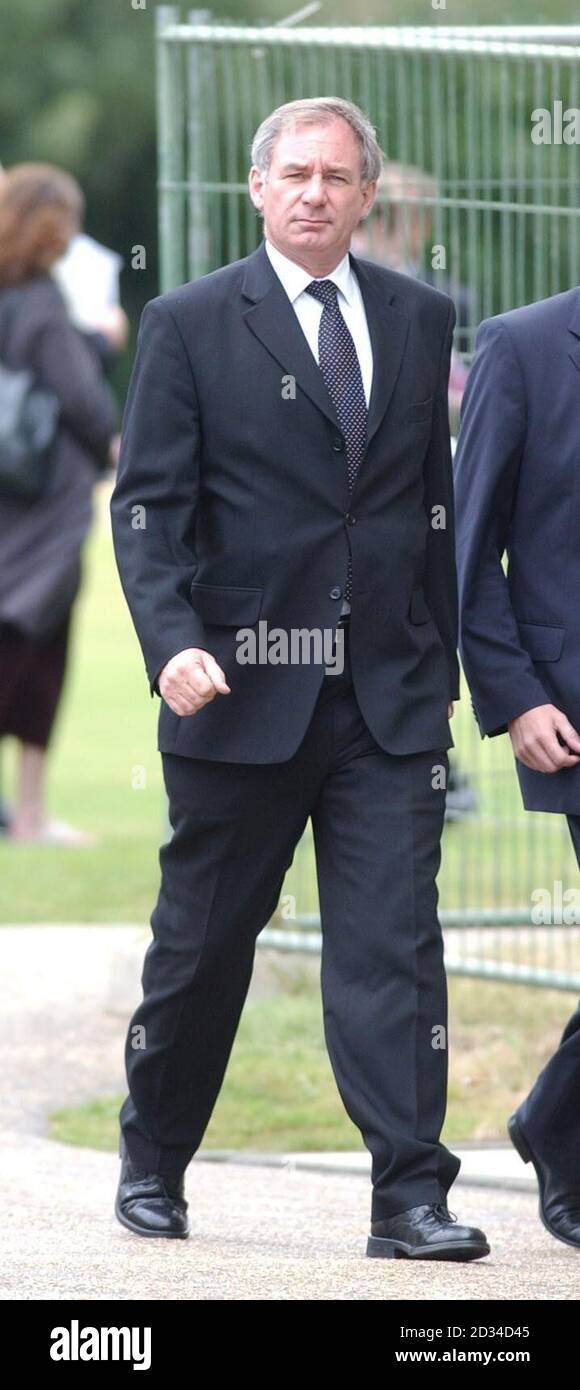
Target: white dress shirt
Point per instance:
(308, 311)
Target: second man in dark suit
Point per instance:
(517, 485)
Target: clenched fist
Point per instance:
(544, 739)
(190, 680)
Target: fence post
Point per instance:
(198, 247)
(171, 158)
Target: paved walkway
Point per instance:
(281, 1228)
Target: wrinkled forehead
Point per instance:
(329, 145)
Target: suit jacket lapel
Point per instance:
(273, 320)
(388, 329)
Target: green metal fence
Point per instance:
(453, 110)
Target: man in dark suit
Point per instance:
(286, 468)
(517, 492)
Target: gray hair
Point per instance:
(318, 110)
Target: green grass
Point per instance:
(279, 1092)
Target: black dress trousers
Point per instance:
(550, 1113)
(377, 820)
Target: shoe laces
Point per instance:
(442, 1211)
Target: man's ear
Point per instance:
(370, 193)
(255, 182)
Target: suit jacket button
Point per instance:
(335, 592)
(350, 519)
(338, 443)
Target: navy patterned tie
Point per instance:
(340, 367)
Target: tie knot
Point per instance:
(325, 291)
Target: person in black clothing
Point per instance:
(41, 208)
(307, 510)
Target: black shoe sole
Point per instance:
(378, 1247)
(520, 1143)
(522, 1147)
(140, 1231)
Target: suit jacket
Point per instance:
(517, 488)
(231, 508)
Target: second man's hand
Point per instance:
(190, 679)
(544, 739)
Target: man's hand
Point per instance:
(450, 710)
(190, 680)
(534, 741)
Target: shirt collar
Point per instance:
(295, 278)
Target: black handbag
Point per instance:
(28, 424)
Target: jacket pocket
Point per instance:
(542, 641)
(226, 604)
(418, 609)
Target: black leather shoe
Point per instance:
(425, 1233)
(559, 1204)
(149, 1203)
